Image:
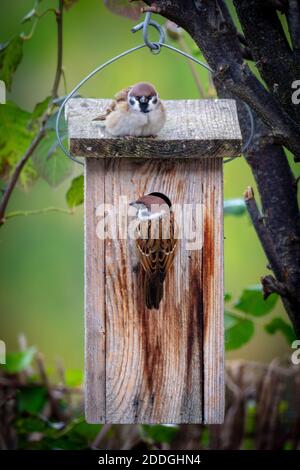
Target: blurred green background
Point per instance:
(41, 256)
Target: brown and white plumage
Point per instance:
(156, 244)
(136, 111)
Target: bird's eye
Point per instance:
(131, 101)
(154, 100)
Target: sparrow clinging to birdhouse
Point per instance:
(156, 244)
(136, 111)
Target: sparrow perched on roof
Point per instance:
(136, 111)
(156, 244)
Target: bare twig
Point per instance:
(55, 409)
(45, 210)
(58, 74)
(271, 285)
(260, 228)
(61, 371)
(152, 9)
(102, 433)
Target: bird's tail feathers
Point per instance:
(154, 290)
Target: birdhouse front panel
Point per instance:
(160, 361)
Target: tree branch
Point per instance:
(211, 26)
(272, 286)
(286, 282)
(271, 51)
(217, 39)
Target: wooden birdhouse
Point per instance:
(165, 365)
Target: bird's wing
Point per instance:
(120, 98)
(122, 95)
(156, 255)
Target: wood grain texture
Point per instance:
(194, 129)
(213, 294)
(94, 295)
(154, 358)
(162, 366)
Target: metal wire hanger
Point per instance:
(155, 48)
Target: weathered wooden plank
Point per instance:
(213, 293)
(154, 366)
(94, 295)
(154, 363)
(194, 129)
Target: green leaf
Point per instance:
(227, 297)
(204, 438)
(50, 162)
(19, 361)
(74, 194)
(234, 207)
(252, 301)
(76, 435)
(11, 54)
(238, 331)
(17, 133)
(278, 324)
(30, 424)
(40, 108)
(87, 432)
(159, 432)
(32, 399)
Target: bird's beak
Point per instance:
(132, 203)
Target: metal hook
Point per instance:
(153, 46)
